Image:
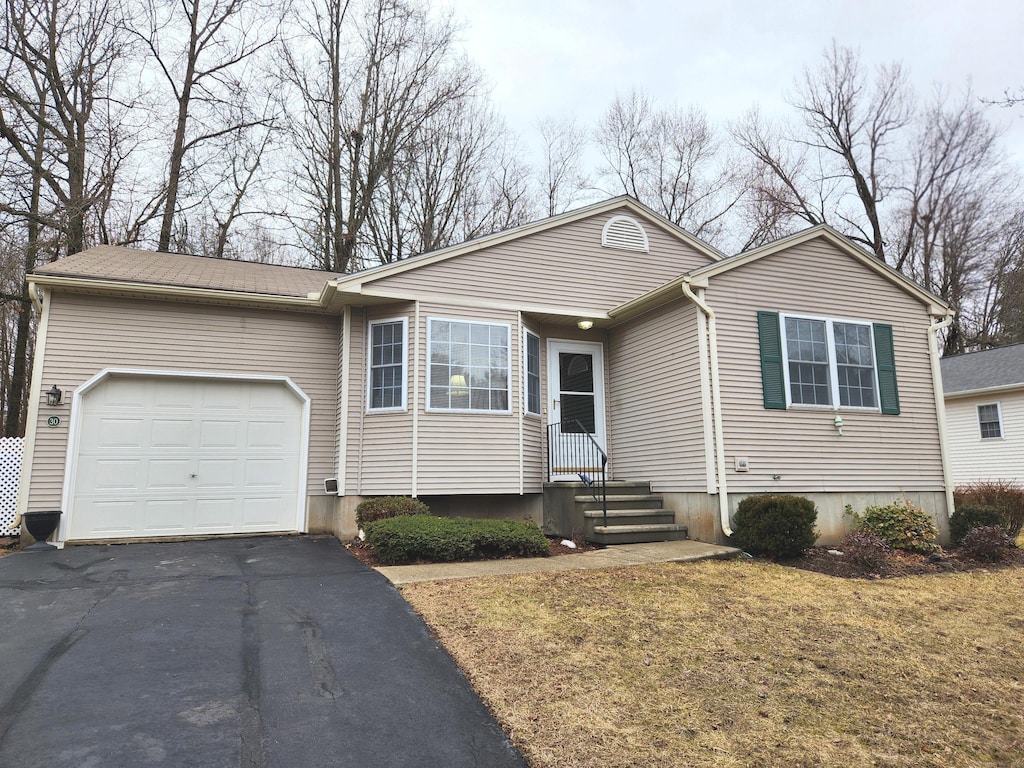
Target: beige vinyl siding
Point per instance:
(87, 334)
(655, 400)
(974, 459)
(456, 453)
(383, 444)
(876, 452)
(562, 267)
(461, 453)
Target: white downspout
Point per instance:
(716, 404)
(940, 406)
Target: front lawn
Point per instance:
(743, 663)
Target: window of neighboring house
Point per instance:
(989, 421)
(387, 365)
(531, 348)
(826, 362)
(469, 366)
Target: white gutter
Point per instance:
(716, 402)
(940, 406)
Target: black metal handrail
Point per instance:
(584, 458)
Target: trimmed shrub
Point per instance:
(901, 525)
(414, 538)
(968, 516)
(383, 507)
(776, 525)
(988, 543)
(866, 549)
(1005, 495)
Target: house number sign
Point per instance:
(53, 421)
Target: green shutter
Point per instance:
(885, 361)
(773, 382)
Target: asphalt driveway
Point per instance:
(233, 652)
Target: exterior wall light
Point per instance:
(53, 396)
(585, 325)
(839, 424)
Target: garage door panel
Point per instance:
(260, 511)
(171, 433)
(216, 513)
(219, 434)
(167, 474)
(167, 517)
(116, 474)
(121, 433)
(177, 456)
(218, 473)
(269, 473)
(268, 434)
(111, 518)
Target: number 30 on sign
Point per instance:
(53, 421)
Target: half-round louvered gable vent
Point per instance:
(624, 233)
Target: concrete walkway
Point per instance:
(618, 556)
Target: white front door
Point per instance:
(576, 416)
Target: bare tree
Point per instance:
(562, 176)
(843, 163)
(204, 50)
(391, 69)
(670, 159)
(58, 60)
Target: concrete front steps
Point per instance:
(635, 516)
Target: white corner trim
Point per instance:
(32, 414)
(415, 399)
(343, 399)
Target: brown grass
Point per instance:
(743, 664)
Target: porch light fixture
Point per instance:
(53, 396)
(585, 325)
(458, 384)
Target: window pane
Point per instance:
(578, 408)
(532, 373)
(855, 366)
(577, 373)
(988, 421)
(387, 373)
(471, 370)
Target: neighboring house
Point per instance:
(202, 396)
(984, 394)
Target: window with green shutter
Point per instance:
(820, 361)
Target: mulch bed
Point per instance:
(364, 552)
(900, 563)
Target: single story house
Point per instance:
(201, 396)
(984, 394)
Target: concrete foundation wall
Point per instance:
(699, 512)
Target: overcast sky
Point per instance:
(554, 58)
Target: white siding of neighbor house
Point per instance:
(655, 400)
(876, 452)
(974, 459)
(562, 267)
(86, 334)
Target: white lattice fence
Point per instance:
(10, 473)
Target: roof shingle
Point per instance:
(989, 368)
(132, 265)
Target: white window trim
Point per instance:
(999, 419)
(405, 365)
(833, 366)
(526, 379)
(508, 370)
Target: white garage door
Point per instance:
(169, 456)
